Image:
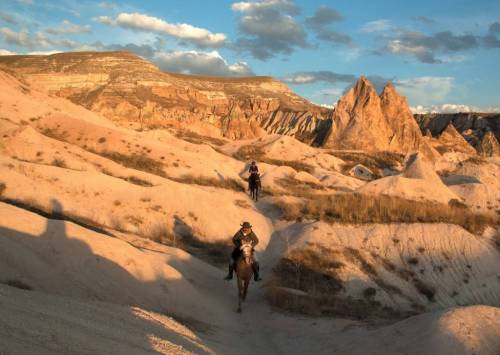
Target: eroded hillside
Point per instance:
(350, 238)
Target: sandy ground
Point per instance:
(96, 292)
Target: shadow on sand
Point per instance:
(57, 263)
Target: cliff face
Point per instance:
(135, 93)
(130, 90)
(363, 120)
(476, 128)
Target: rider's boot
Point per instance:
(230, 272)
(255, 267)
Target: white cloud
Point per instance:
(452, 108)
(106, 20)
(37, 40)
(6, 52)
(249, 7)
(376, 26)
(44, 52)
(68, 27)
(181, 31)
(425, 90)
(204, 63)
(107, 5)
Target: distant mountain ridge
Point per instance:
(136, 93)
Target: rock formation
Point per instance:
(489, 145)
(451, 140)
(406, 133)
(473, 126)
(363, 120)
(133, 92)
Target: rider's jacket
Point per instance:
(253, 169)
(239, 236)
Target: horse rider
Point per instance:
(253, 170)
(244, 234)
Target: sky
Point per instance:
(444, 56)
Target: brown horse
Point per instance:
(244, 271)
(254, 185)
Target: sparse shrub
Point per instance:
(136, 161)
(54, 133)
(454, 203)
(427, 290)
(117, 203)
(59, 163)
(369, 292)
(17, 284)
(225, 183)
(116, 223)
(3, 187)
(250, 152)
(196, 138)
(101, 140)
(413, 261)
(134, 220)
(145, 199)
(314, 271)
(137, 181)
(159, 233)
(359, 208)
(242, 203)
(376, 162)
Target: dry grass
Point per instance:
(315, 271)
(54, 133)
(135, 161)
(159, 233)
(226, 183)
(196, 138)
(17, 284)
(358, 208)
(59, 163)
(132, 179)
(376, 162)
(249, 152)
(297, 187)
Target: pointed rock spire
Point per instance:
(364, 120)
(453, 141)
(489, 145)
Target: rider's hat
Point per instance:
(246, 225)
(253, 162)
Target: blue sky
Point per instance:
(443, 56)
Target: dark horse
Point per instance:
(254, 186)
(244, 271)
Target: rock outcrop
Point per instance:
(473, 126)
(363, 120)
(489, 145)
(134, 92)
(406, 133)
(452, 141)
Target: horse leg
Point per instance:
(240, 291)
(245, 288)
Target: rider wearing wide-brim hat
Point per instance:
(244, 234)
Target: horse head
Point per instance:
(246, 250)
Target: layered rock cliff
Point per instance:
(136, 93)
(130, 90)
